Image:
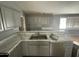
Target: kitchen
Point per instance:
(43, 29)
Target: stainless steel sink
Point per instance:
(53, 37)
(38, 37)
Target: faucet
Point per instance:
(37, 33)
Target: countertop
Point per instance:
(75, 40)
(7, 44)
(25, 37)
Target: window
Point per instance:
(62, 25)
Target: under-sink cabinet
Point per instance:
(35, 48)
(39, 48)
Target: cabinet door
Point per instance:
(8, 17)
(16, 52)
(33, 50)
(16, 17)
(44, 51)
(44, 48)
(68, 48)
(78, 53)
(39, 48)
(25, 49)
(73, 22)
(1, 24)
(57, 49)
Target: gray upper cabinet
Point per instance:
(8, 18)
(73, 22)
(16, 17)
(1, 24)
(11, 18)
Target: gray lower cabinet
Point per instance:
(68, 48)
(68, 51)
(57, 49)
(42, 48)
(78, 53)
(16, 52)
(39, 48)
(25, 49)
(28, 49)
(61, 49)
(33, 50)
(44, 51)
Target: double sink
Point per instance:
(38, 36)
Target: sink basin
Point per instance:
(53, 37)
(38, 37)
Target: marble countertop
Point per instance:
(60, 37)
(75, 40)
(27, 36)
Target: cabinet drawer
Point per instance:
(43, 43)
(33, 43)
(39, 43)
(68, 43)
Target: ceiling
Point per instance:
(54, 7)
